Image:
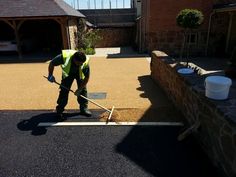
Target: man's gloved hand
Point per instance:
(51, 78)
(78, 92)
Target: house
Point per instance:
(157, 29)
(42, 25)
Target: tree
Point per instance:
(87, 38)
(188, 19)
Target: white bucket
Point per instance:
(217, 87)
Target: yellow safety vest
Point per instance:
(67, 56)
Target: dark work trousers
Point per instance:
(63, 95)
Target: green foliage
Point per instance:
(189, 18)
(88, 51)
(87, 39)
(91, 38)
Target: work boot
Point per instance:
(85, 112)
(60, 117)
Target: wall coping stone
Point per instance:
(217, 133)
(226, 108)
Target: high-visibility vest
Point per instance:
(67, 57)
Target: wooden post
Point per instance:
(229, 31)
(16, 26)
(64, 33)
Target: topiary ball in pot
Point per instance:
(189, 18)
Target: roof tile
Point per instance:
(36, 8)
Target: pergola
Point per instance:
(15, 13)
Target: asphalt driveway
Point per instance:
(31, 151)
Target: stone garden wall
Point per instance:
(116, 37)
(73, 32)
(217, 131)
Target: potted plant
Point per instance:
(188, 19)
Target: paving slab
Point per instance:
(118, 52)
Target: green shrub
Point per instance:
(88, 51)
(87, 38)
(91, 38)
(189, 18)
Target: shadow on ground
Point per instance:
(160, 154)
(157, 150)
(149, 89)
(120, 55)
(32, 123)
(37, 57)
(127, 52)
(42, 116)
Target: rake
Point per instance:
(106, 109)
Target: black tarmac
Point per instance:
(27, 150)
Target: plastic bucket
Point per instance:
(217, 87)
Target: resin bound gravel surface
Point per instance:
(126, 82)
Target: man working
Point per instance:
(75, 65)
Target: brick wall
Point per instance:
(116, 37)
(162, 31)
(163, 12)
(217, 133)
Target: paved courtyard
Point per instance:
(27, 99)
(126, 83)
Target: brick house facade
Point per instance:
(157, 27)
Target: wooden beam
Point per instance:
(16, 23)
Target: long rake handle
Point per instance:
(82, 96)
